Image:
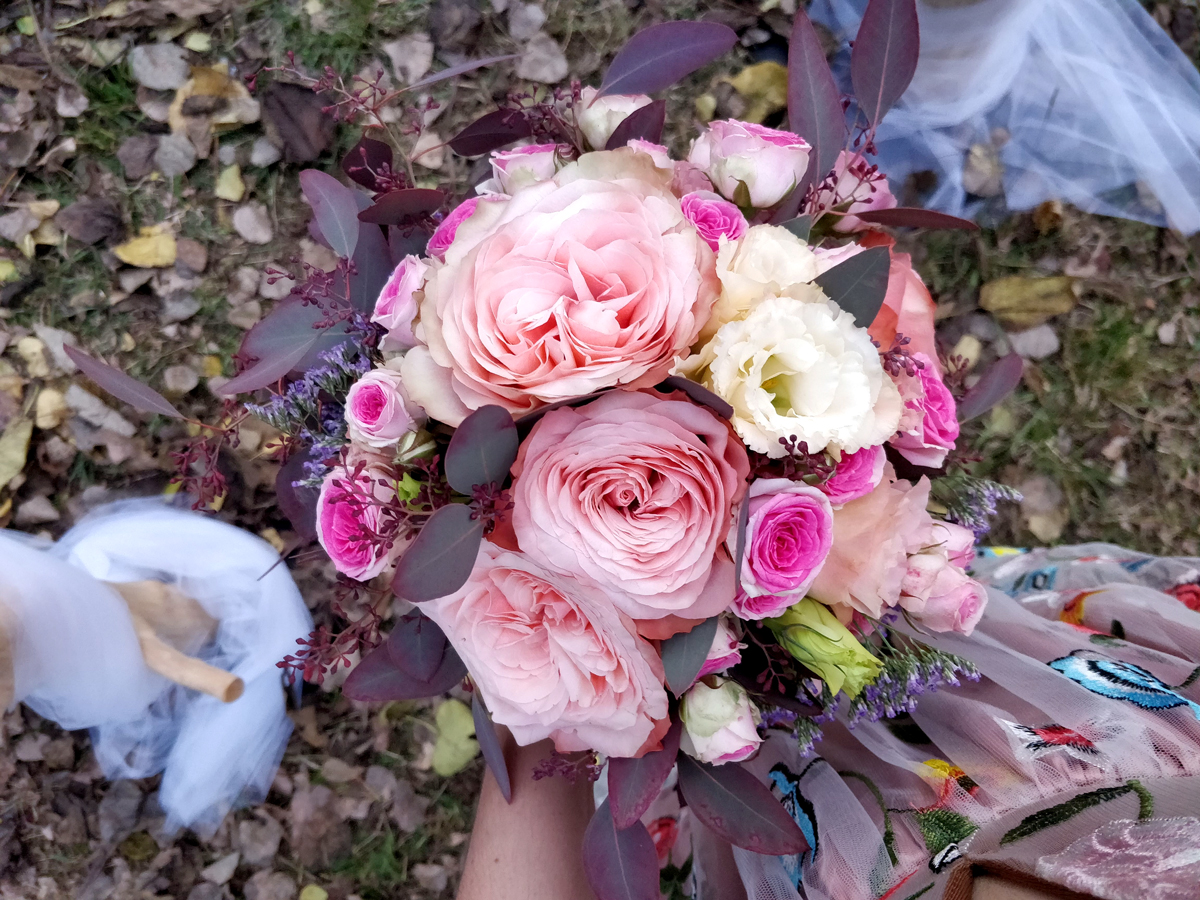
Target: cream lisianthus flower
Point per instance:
(803, 369)
(768, 261)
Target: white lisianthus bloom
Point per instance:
(803, 369)
(768, 261)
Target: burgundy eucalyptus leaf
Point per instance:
(402, 207)
(121, 386)
(489, 746)
(739, 807)
(814, 102)
(372, 268)
(914, 217)
(334, 208)
(482, 450)
(1000, 380)
(633, 784)
(417, 645)
(491, 132)
(884, 56)
(288, 325)
(697, 392)
(461, 69)
(743, 525)
(683, 655)
(645, 124)
(378, 679)
(299, 504)
(620, 864)
(366, 158)
(439, 561)
(657, 57)
(270, 369)
(859, 284)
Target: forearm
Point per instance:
(530, 849)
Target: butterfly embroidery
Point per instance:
(1120, 681)
(786, 785)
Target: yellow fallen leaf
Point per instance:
(230, 185)
(8, 271)
(97, 54)
(314, 892)
(128, 344)
(47, 233)
(706, 107)
(27, 246)
(212, 367)
(1021, 302)
(43, 209)
(50, 411)
(214, 81)
(455, 746)
(764, 87)
(118, 9)
(5, 507)
(198, 42)
(14, 447)
(154, 248)
(27, 26)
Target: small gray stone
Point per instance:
(268, 885)
(264, 153)
(245, 315)
(136, 155)
(55, 339)
(37, 511)
(259, 839)
(543, 60)
(92, 410)
(275, 287)
(206, 890)
(431, 876)
(222, 870)
(1035, 343)
(525, 20)
(160, 67)
(253, 223)
(132, 279)
(175, 155)
(227, 154)
(70, 102)
(180, 379)
(983, 327)
(179, 307)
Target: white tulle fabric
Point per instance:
(1101, 108)
(1064, 600)
(77, 660)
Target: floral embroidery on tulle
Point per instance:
(1187, 593)
(1032, 741)
(1054, 815)
(1128, 860)
(785, 785)
(1120, 681)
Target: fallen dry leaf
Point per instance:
(230, 185)
(154, 248)
(456, 745)
(91, 220)
(1022, 302)
(764, 88)
(295, 122)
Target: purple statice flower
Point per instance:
(777, 716)
(974, 500)
(806, 734)
(908, 672)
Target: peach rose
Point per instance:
(594, 279)
(872, 539)
(907, 309)
(553, 658)
(632, 493)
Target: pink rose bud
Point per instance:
(957, 541)
(858, 187)
(351, 523)
(726, 650)
(956, 602)
(396, 306)
(521, 166)
(788, 536)
(857, 474)
(767, 161)
(377, 409)
(713, 217)
(443, 235)
(599, 117)
(934, 435)
(720, 724)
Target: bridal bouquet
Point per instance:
(646, 442)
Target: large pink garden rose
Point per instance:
(594, 279)
(352, 526)
(553, 658)
(632, 493)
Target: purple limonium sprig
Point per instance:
(974, 500)
(909, 670)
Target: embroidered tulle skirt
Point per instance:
(1073, 760)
